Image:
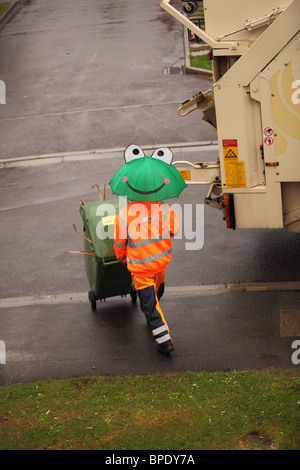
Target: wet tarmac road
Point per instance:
(90, 74)
(47, 323)
(64, 95)
(40, 203)
(210, 332)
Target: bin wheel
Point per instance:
(133, 295)
(92, 299)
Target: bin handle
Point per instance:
(108, 263)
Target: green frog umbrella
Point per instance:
(147, 178)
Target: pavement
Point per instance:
(212, 329)
(9, 13)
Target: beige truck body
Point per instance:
(256, 91)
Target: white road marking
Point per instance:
(99, 154)
(213, 289)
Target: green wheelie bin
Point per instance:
(107, 276)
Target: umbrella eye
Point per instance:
(163, 154)
(132, 152)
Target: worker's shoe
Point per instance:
(167, 349)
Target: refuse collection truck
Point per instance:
(255, 108)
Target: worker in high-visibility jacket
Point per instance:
(143, 239)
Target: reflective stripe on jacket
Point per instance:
(143, 232)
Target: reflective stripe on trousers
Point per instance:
(150, 290)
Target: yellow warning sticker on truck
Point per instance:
(235, 175)
(186, 174)
(230, 149)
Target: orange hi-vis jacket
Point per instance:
(142, 236)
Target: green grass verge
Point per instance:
(201, 61)
(188, 411)
(3, 7)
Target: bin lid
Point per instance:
(99, 219)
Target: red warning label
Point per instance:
(229, 143)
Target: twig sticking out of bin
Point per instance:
(90, 253)
(87, 239)
(99, 190)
